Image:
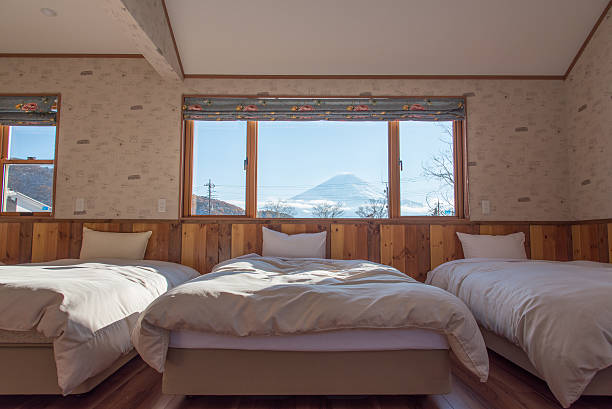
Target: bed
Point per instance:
(553, 319)
(65, 325)
(262, 325)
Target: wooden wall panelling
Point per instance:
(225, 242)
(26, 237)
(604, 244)
(495, 229)
(590, 242)
(212, 247)
(45, 238)
(609, 242)
(54, 241)
(165, 241)
(69, 237)
(200, 246)
(445, 245)
(550, 242)
(351, 241)
(110, 227)
(246, 238)
(392, 245)
(407, 248)
(10, 243)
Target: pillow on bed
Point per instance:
(485, 246)
(277, 244)
(101, 244)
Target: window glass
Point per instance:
(219, 178)
(27, 188)
(427, 181)
(322, 169)
(36, 142)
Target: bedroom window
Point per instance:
(218, 179)
(427, 169)
(28, 147)
(322, 169)
(28, 161)
(323, 159)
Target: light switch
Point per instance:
(161, 205)
(79, 206)
(486, 207)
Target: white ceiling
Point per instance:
(81, 26)
(327, 37)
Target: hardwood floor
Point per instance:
(136, 386)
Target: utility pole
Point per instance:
(210, 186)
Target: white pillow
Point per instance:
(277, 244)
(485, 246)
(101, 244)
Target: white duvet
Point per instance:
(559, 313)
(254, 295)
(89, 308)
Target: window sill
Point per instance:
(25, 215)
(400, 220)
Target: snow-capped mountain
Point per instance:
(343, 195)
(345, 187)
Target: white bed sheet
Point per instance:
(345, 340)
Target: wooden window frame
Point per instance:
(460, 173)
(394, 209)
(5, 160)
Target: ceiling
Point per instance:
(81, 26)
(323, 37)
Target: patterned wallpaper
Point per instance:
(119, 135)
(589, 128)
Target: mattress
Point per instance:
(341, 340)
(23, 337)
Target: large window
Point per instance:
(219, 177)
(427, 173)
(27, 168)
(321, 169)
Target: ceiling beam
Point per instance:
(147, 24)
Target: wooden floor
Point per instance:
(136, 386)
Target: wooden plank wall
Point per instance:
(412, 248)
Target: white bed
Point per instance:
(66, 325)
(552, 318)
(269, 325)
(342, 340)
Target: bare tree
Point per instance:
(277, 209)
(328, 210)
(375, 208)
(441, 168)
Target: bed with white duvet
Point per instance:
(84, 309)
(558, 313)
(296, 314)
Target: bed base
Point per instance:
(242, 372)
(29, 369)
(600, 385)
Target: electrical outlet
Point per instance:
(486, 207)
(161, 205)
(79, 206)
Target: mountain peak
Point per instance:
(343, 187)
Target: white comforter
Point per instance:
(559, 313)
(254, 295)
(88, 308)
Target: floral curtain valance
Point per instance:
(28, 110)
(330, 109)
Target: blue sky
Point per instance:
(295, 156)
(36, 141)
